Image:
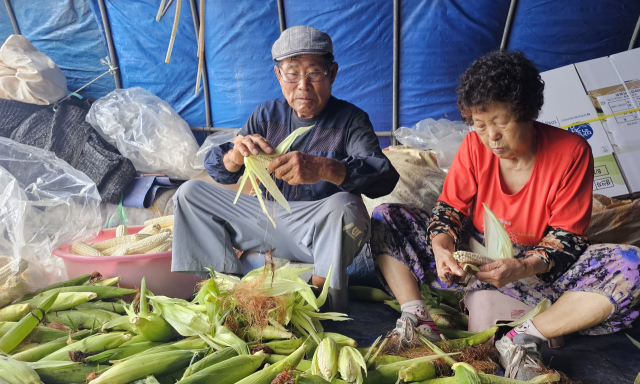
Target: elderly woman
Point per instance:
(538, 180)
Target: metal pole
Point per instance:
(283, 23)
(507, 27)
(205, 77)
(12, 17)
(634, 37)
(396, 68)
(112, 49)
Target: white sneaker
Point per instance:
(520, 357)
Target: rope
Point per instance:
(112, 70)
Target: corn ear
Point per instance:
(152, 229)
(122, 230)
(350, 363)
(325, 359)
(84, 249)
(284, 347)
(104, 305)
(140, 366)
(67, 283)
(42, 350)
(92, 344)
(267, 374)
(228, 371)
(108, 282)
(143, 246)
(64, 374)
(303, 365)
(16, 372)
(110, 243)
(14, 312)
(418, 372)
(208, 361)
(65, 300)
(21, 330)
(121, 352)
(192, 343)
(154, 328)
(102, 292)
(163, 247)
(163, 221)
(85, 318)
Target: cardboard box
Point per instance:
(613, 85)
(566, 103)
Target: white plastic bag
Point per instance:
(147, 130)
(211, 141)
(44, 203)
(443, 137)
(29, 75)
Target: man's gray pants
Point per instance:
(208, 226)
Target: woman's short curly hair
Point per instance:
(501, 77)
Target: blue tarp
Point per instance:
(440, 38)
(66, 31)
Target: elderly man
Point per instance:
(322, 176)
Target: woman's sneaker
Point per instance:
(520, 357)
(425, 328)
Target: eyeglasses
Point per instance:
(314, 77)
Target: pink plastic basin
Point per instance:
(156, 267)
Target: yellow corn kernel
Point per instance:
(164, 221)
(81, 248)
(463, 257)
(151, 242)
(152, 229)
(122, 230)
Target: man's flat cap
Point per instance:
(301, 40)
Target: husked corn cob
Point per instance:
(14, 371)
(166, 246)
(106, 244)
(81, 248)
(152, 229)
(122, 230)
(463, 257)
(120, 250)
(143, 246)
(168, 229)
(164, 221)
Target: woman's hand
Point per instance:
(505, 271)
(446, 265)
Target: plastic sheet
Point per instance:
(443, 137)
(44, 203)
(146, 130)
(211, 141)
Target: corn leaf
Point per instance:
(496, 237)
(634, 341)
(541, 307)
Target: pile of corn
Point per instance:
(155, 237)
(78, 331)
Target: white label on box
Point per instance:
(624, 128)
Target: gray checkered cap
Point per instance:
(301, 40)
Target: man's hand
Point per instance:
(301, 168)
(244, 146)
(446, 265)
(504, 271)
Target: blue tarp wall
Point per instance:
(439, 39)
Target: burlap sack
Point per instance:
(420, 181)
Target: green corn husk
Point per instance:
(389, 373)
(154, 328)
(542, 306)
(86, 319)
(67, 283)
(92, 344)
(477, 339)
(255, 168)
(108, 282)
(417, 372)
(325, 359)
(388, 359)
(349, 363)
(16, 372)
(135, 340)
(313, 379)
(69, 374)
(303, 365)
(42, 350)
(226, 372)
(450, 333)
(266, 375)
(267, 333)
(65, 300)
(21, 330)
(120, 352)
(209, 360)
(192, 343)
(142, 366)
(284, 347)
(23, 347)
(465, 373)
(104, 305)
(14, 312)
(368, 294)
(103, 293)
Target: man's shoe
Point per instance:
(520, 357)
